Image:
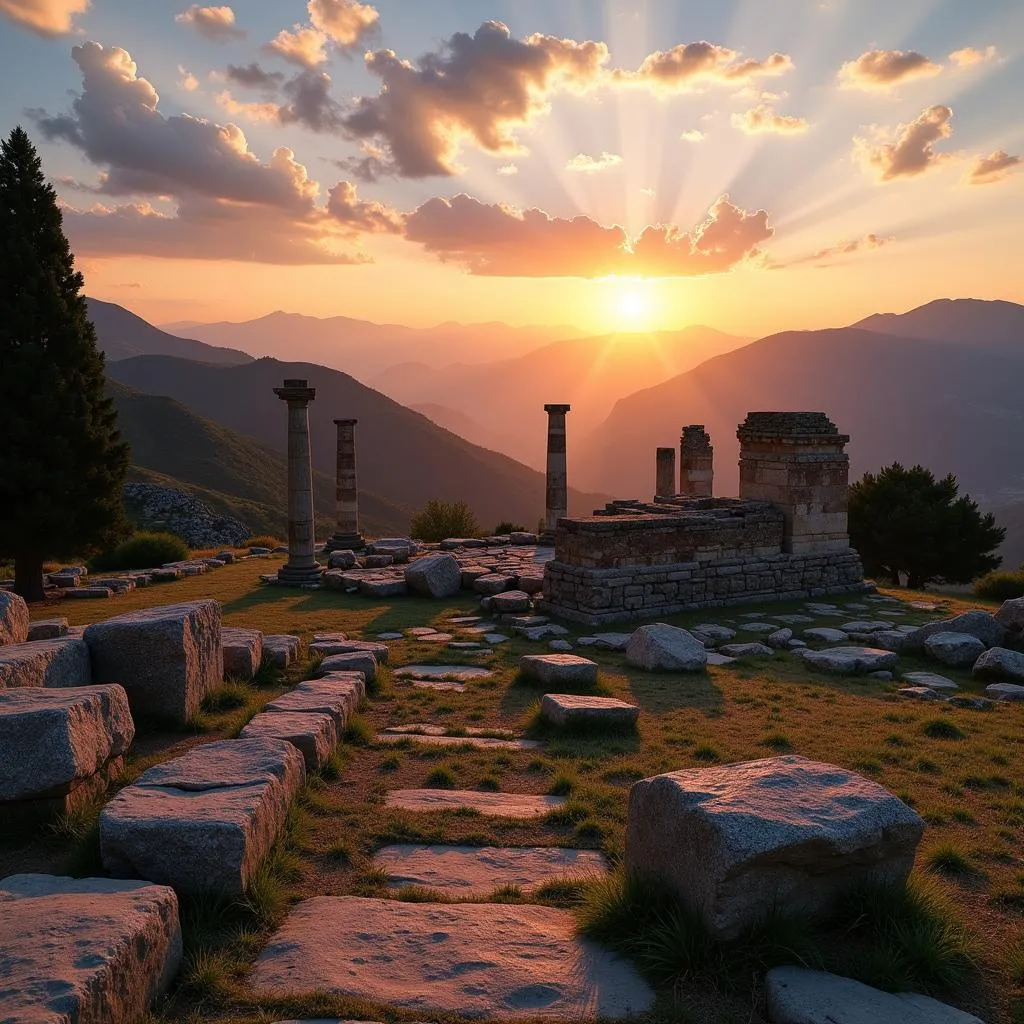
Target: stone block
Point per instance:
(281, 649)
(47, 629)
(203, 822)
(321, 696)
(438, 575)
(849, 661)
(511, 602)
(50, 663)
(167, 658)
(573, 711)
(314, 735)
(958, 650)
(559, 669)
(1000, 664)
(352, 661)
(14, 624)
(328, 648)
(664, 648)
(243, 652)
(788, 834)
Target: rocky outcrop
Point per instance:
(165, 508)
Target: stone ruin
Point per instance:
(784, 538)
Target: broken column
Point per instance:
(665, 479)
(557, 501)
(302, 566)
(696, 462)
(347, 536)
(796, 460)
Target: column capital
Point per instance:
(555, 409)
(346, 423)
(296, 391)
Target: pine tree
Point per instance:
(62, 461)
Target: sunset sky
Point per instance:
(753, 165)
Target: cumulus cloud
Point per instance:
(502, 241)
(309, 102)
(362, 216)
(260, 113)
(763, 120)
(992, 168)
(44, 17)
(253, 76)
(303, 45)
(969, 56)
(823, 257)
(346, 22)
(216, 23)
(585, 164)
(478, 88)
(689, 66)
(693, 135)
(913, 150)
(188, 82)
(882, 69)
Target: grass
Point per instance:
(943, 729)
(949, 859)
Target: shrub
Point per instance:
(1000, 585)
(142, 551)
(438, 520)
(504, 528)
(264, 540)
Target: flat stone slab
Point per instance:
(488, 960)
(327, 648)
(478, 871)
(850, 661)
(557, 669)
(572, 710)
(796, 995)
(450, 673)
(51, 663)
(825, 633)
(929, 679)
(47, 629)
(435, 736)
(205, 821)
(352, 661)
(319, 696)
(753, 650)
(88, 950)
(502, 805)
(315, 735)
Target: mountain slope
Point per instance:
(122, 335)
(403, 457)
(949, 407)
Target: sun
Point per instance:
(631, 305)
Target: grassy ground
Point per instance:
(960, 769)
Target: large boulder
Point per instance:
(1011, 616)
(13, 619)
(87, 950)
(738, 841)
(437, 575)
(664, 648)
(958, 650)
(1001, 665)
(167, 658)
(56, 745)
(243, 652)
(50, 663)
(981, 625)
(849, 661)
(205, 821)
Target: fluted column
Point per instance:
(347, 534)
(557, 498)
(665, 475)
(302, 566)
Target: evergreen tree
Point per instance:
(62, 461)
(905, 521)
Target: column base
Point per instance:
(344, 542)
(289, 576)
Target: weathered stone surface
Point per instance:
(493, 583)
(243, 652)
(889, 639)
(460, 673)
(85, 950)
(825, 633)
(474, 959)
(511, 601)
(435, 736)
(737, 840)
(1011, 616)
(921, 693)
(717, 659)
(981, 625)
(958, 650)
(434, 575)
(929, 679)
(502, 805)
(203, 822)
(538, 633)
(611, 641)
(559, 669)
(780, 638)
(315, 735)
(478, 871)
(1000, 664)
(166, 658)
(281, 649)
(796, 995)
(763, 628)
(319, 696)
(850, 661)
(328, 648)
(13, 619)
(51, 741)
(1005, 691)
(51, 663)
(664, 648)
(746, 650)
(575, 711)
(47, 629)
(353, 661)
(714, 632)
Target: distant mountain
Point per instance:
(459, 423)
(364, 349)
(987, 326)
(591, 374)
(123, 335)
(952, 408)
(235, 475)
(404, 458)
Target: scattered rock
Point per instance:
(462, 673)
(746, 650)
(560, 646)
(573, 711)
(958, 650)
(997, 663)
(166, 508)
(511, 601)
(715, 633)
(559, 669)
(920, 693)
(1011, 616)
(493, 583)
(717, 659)
(885, 677)
(329, 648)
(47, 629)
(664, 648)
(850, 661)
(353, 661)
(981, 625)
(14, 624)
(281, 649)
(828, 635)
(1005, 691)
(780, 638)
(438, 575)
(929, 679)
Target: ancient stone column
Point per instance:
(302, 566)
(557, 501)
(665, 478)
(346, 535)
(696, 462)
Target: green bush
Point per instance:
(439, 520)
(1001, 585)
(142, 551)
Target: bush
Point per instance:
(1000, 586)
(264, 540)
(142, 551)
(439, 520)
(505, 528)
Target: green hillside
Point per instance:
(233, 474)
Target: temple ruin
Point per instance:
(784, 538)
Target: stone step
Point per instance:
(56, 663)
(502, 805)
(315, 735)
(478, 871)
(486, 960)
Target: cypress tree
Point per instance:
(62, 461)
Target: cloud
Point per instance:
(44, 17)
(309, 102)
(253, 76)
(361, 216)
(508, 169)
(688, 66)
(346, 22)
(584, 164)
(969, 56)
(992, 168)
(216, 23)
(846, 248)
(763, 120)
(693, 135)
(259, 113)
(880, 70)
(303, 45)
(912, 153)
(188, 82)
(499, 240)
(477, 88)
